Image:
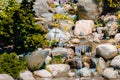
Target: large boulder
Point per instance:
(36, 59)
(27, 75)
(5, 77)
(59, 68)
(116, 62)
(40, 7)
(117, 38)
(110, 73)
(101, 66)
(42, 73)
(107, 51)
(84, 27)
(89, 9)
(59, 51)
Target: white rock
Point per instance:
(84, 27)
(27, 75)
(107, 51)
(5, 77)
(47, 16)
(59, 68)
(110, 73)
(117, 38)
(77, 79)
(96, 40)
(42, 73)
(116, 61)
(48, 59)
(85, 72)
(58, 34)
(60, 10)
(54, 73)
(71, 74)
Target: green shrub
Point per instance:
(11, 64)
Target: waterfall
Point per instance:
(78, 50)
(79, 62)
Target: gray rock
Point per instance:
(40, 7)
(42, 73)
(117, 38)
(59, 51)
(99, 30)
(110, 73)
(101, 66)
(89, 9)
(5, 77)
(97, 37)
(85, 72)
(27, 75)
(109, 17)
(59, 68)
(107, 51)
(84, 26)
(111, 28)
(36, 59)
(47, 16)
(116, 62)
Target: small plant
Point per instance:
(11, 64)
(56, 59)
(99, 23)
(52, 43)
